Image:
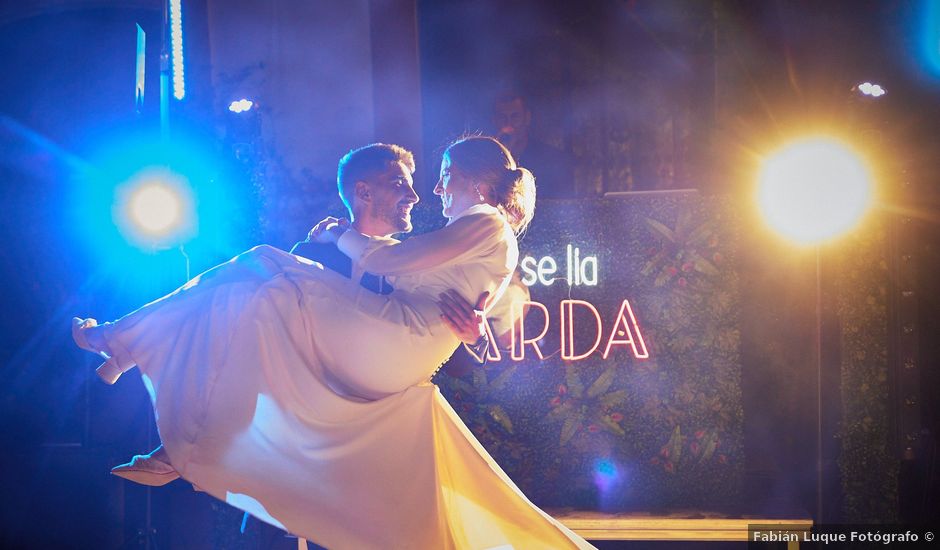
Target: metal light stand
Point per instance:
(147, 537)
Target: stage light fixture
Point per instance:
(154, 209)
(871, 90)
(241, 106)
(813, 190)
(176, 45)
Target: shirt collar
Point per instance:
(481, 208)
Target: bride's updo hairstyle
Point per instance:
(482, 159)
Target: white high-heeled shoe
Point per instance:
(147, 469)
(112, 368)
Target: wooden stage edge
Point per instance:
(674, 526)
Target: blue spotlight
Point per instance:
(153, 210)
(607, 476)
(927, 16)
(176, 44)
(143, 197)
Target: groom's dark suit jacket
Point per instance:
(332, 259)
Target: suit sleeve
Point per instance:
(325, 254)
(478, 351)
(466, 237)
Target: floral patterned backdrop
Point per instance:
(623, 433)
(868, 466)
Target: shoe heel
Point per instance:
(147, 470)
(108, 372)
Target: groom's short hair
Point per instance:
(359, 164)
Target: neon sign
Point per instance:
(579, 271)
(625, 330)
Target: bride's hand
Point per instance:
(328, 230)
(464, 319)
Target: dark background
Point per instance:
(642, 95)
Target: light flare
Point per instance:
(607, 477)
(154, 209)
(814, 190)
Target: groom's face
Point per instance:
(393, 196)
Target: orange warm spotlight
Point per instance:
(814, 190)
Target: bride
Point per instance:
(296, 395)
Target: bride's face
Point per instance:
(456, 190)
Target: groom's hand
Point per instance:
(327, 230)
(464, 319)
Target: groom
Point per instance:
(376, 186)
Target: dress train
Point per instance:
(249, 412)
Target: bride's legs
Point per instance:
(119, 343)
(252, 267)
(152, 469)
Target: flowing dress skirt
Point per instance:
(293, 394)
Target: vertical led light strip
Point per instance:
(140, 81)
(176, 43)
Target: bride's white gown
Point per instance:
(293, 393)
